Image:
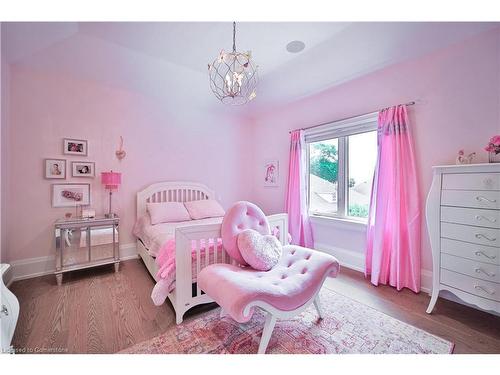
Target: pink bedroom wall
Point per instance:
(457, 94)
(3, 151)
(162, 144)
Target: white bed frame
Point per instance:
(182, 297)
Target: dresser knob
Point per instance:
(480, 270)
(4, 310)
(479, 287)
(480, 235)
(482, 253)
(481, 217)
(481, 198)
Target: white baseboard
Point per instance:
(34, 267)
(356, 261)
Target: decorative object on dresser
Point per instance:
(111, 180)
(82, 169)
(75, 147)
(55, 168)
(462, 159)
(463, 219)
(85, 243)
(70, 195)
(493, 148)
(9, 313)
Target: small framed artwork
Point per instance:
(82, 169)
(271, 173)
(55, 168)
(75, 147)
(70, 195)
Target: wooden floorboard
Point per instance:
(99, 311)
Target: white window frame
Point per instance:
(341, 130)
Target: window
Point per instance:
(342, 157)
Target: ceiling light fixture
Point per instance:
(233, 76)
(295, 46)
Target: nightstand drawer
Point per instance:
(484, 254)
(471, 216)
(477, 235)
(471, 198)
(483, 271)
(471, 181)
(471, 285)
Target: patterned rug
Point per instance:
(348, 327)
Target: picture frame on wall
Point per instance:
(271, 173)
(83, 169)
(75, 147)
(70, 195)
(55, 169)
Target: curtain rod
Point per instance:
(346, 118)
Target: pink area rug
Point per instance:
(348, 327)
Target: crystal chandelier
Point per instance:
(233, 76)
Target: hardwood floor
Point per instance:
(99, 311)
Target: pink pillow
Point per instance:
(261, 252)
(167, 212)
(204, 208)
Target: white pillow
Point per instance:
(167, 212)
(204, 208)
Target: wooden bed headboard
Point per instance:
(172, 191)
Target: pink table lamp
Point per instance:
(111, 180)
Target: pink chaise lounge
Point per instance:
(283, 292)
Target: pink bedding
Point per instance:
(166, 262)
(155, 236)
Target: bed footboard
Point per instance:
(196, 247)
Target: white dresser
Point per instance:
(463, 219)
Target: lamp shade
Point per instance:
(111, 179)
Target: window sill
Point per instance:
(341, 223)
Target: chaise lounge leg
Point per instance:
(178, 318)
(222, 313)
(317, 304)
(266, 333)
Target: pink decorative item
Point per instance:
(493, 148)
(204, 208)
(120, 153)
(242, 215)
(167, 212)
(393, 233)
(111, 181)
(261, 252)
(284, 291)
(296, 203)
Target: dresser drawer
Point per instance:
(483, 271)
(471, 181)
(471, 216)
(471, 198)
(485, 254)
(478, 235)
(471, 285)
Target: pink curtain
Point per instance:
(393, 237)
(296, 197)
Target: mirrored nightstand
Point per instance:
(85, 243)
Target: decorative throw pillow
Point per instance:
(261, 252)
(204, 208)
(167, 212)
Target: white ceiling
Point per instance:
(169, 60)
